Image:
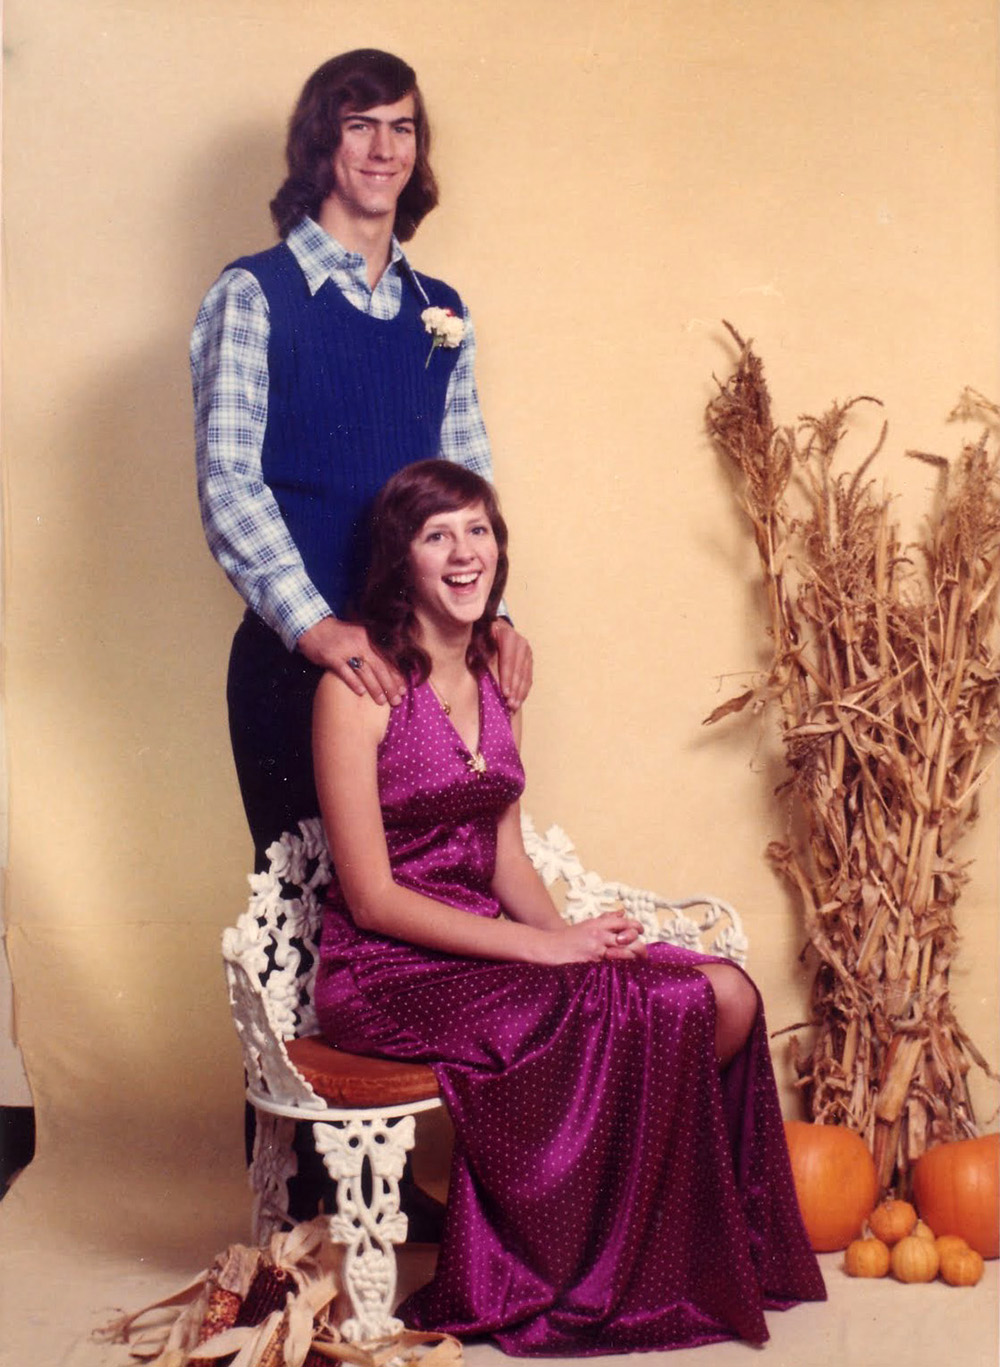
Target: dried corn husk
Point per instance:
(884, 674)
(283, 1316)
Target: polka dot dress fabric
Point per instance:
(610, 1190)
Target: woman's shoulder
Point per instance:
(494, 700)
(490, 677)
(339, 707)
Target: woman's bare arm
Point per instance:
(346, 734)
(523, 895)
(517, 886)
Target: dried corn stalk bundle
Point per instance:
(885, 677)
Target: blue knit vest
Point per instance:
(351, 400)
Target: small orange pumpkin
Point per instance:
(892, 1220)
(922, 1231)
(961, 1266)
(866, 1258)
(945, 1243)
(914, 1260)
(835, 1182)
(957, 1187)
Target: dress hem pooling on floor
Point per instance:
(610, 1191)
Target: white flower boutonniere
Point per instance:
(446, 328)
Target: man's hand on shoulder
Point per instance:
(515, 663)
(346, 651)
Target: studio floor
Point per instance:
(76, 1251)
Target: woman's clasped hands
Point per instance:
(612, 935)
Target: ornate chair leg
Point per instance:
(365, 1158)
(273, 1162)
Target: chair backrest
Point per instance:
(271, 953)
(715, 929)
(277, 937)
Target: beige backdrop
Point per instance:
(617, 177)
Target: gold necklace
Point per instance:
(476, 763)
(445, 706)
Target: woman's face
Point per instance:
(453, 562)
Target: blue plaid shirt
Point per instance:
(245, 530)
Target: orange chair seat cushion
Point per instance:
(353, 1080)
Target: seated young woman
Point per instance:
(620, 1180)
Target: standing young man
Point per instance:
(316, 376)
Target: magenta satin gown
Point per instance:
(610, 1192)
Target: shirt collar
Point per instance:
(321, 256)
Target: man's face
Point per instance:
(378, 148)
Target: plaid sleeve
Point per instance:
(243, 524)
(463, 433)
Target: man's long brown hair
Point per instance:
(350, 84)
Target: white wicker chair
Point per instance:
(361, 1109)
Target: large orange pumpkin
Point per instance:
(957, 1189)
(835, 1182)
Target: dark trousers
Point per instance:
(270, 694)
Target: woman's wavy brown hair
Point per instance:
(401, 508)
(351, 83)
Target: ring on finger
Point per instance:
(355, 662)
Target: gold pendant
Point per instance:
(477, 762)
(445, 706)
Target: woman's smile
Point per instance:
(462, 581)
(453, 562)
